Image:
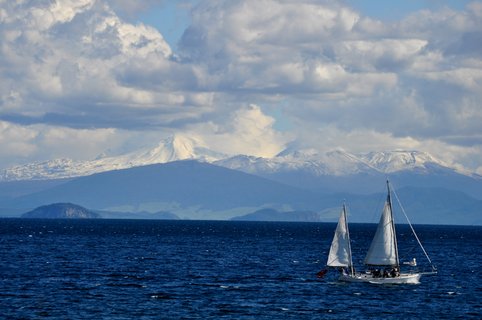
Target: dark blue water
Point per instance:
(118, 269)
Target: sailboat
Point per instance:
(382, 260)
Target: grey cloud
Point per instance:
(332, 67)
(356, 76)
(468, 44)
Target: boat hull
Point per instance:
(404, 278)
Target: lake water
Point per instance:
(138, 269)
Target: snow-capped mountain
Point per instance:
(394, 161)
(171, 149)
(309, 162)
(339, 171)
(336, 163)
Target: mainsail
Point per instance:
(383, 249)
(340, 250)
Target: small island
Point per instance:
(61, 211)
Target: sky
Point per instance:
(80, 78)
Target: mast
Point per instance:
(389, 201)
(352, 271)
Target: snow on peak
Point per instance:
(39, 170)
(337, 162)
(311, 161)
(176, 148)
(394, 161)
(298, 154)
(171, 149)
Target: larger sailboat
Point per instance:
(382, 260)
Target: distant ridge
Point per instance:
(183, 185)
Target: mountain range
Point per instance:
(330, 172)
(178, 147)
(182, 177)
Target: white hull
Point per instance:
(404, 278)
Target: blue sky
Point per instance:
(398, 9)
(89, 77)
(171, 18)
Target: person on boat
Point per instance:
(394, 272)
(376, 273)
(385, 273)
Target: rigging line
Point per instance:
(376, 208)
(408, 253)
(413, 230)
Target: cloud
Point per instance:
(338, 65)
(16, 141)
(23, 144)
(247, 131)
(266, 46)
(77, 60)
(79, 66)
(415, 80)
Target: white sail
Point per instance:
(340, 251)
(383, 249)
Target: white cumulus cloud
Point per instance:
(247, 130)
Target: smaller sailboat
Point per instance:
(382, 260)
(340, 250)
